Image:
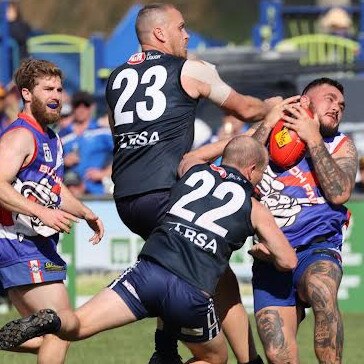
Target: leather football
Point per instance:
(286, 148)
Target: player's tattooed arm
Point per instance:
(336, 173)
(260, 131)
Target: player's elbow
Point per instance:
(288, 263)
(339, 199)
(251, 112)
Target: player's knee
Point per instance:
(70, 325)
(221, 358)
(283, 353)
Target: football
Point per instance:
(285, 147)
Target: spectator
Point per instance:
(3, 117)
(74, 183)
(359, 186)
(66, 116)
(66, 111)
(19, 30)
(10, 105)
(231, 126)
(338, 22)
(87, 145)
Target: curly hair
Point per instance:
(31, 70)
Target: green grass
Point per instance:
(134, 344)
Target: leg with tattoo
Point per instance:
(277, 328)
(318, 287)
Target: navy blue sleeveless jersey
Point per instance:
(154, 122)
(208, 218)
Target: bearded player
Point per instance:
(36, 206)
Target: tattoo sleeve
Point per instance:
(336, 176)
(261, 132)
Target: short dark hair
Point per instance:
(144, 15)
(82, 98)
(323, 81)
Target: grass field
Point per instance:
(134, 344)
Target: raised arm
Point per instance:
(261, 131)
(336, 172)
(283, 255)
(201, 79)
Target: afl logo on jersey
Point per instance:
(47, 153)
(220, 170)
(136, 58)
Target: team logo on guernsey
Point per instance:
(43, 193)
(47, 153)
(284, 208)
(36, 273)
(136, 58)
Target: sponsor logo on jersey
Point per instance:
(136, 58)
(52, 172)
(51, 267)
(234, 177)
(220, 170)
(195, 237)
(47, 153)
(152, 57)
(137, 140)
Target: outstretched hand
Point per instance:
(95, 223)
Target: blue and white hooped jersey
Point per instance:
(38, 181)
(298, 204)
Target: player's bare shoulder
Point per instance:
(17, 139)
(201, 79)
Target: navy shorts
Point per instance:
(33, 271)
(274, 288)
(142, 213)
(150, 290)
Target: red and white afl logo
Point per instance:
(220, 170)
(137, 58)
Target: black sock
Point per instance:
(258, 360)
(165, 344)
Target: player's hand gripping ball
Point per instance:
(286, 148)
